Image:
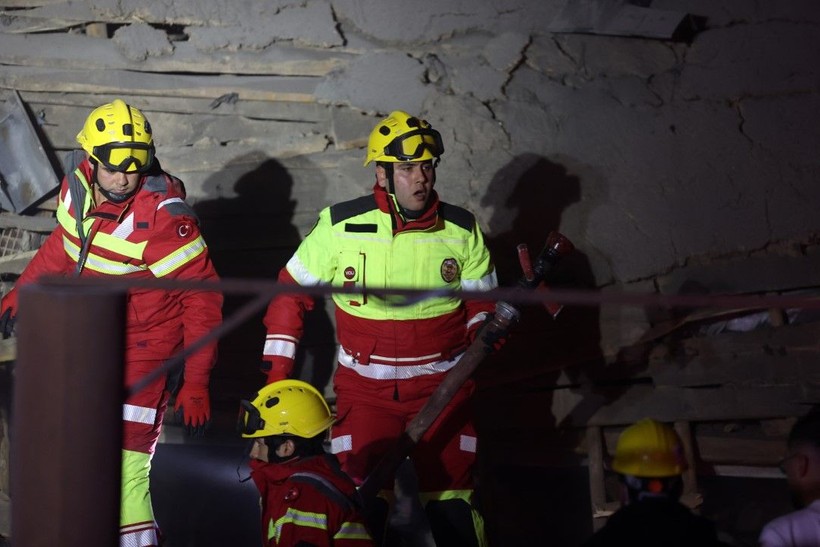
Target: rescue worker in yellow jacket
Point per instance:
(121, 216)
(391, 358)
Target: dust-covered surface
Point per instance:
(679, 164)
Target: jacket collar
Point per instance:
(387, 204)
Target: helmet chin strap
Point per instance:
(110, 196)
(391, 189)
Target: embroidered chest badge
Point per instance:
(449, 269)
(350, 272)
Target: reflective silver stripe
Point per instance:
(467, 443)
(140, 536)
(280, 345)
(379, 371)
(298, 271)
(125, 228)
(98, 263)
(486, 283)
(139, 414)
(341, 444)
(477, 318)
(165, 202)
(179, 257)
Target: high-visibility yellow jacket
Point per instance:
(364, 244)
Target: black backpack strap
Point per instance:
(326, 487)
(77, 190)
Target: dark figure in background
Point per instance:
(801, 464)
(306, 498)
(649, 460)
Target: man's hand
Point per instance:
(193, 409)
(493, 340)
(7, 323)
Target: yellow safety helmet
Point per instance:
(118, 136)
(401, 137)
(286, 407)
(649, 448)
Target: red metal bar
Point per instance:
(67, 416)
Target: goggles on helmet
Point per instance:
(125, 157)
(413, 144)
(250, 420)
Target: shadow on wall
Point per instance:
(251, 235)
(528, 197)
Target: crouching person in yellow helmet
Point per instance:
(306, 498)
(650, 462)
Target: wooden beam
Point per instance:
(260, 88)
(31, 223)
(89, 53)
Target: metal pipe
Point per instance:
(67, 416)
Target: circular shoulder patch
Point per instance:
(449, 269)
(184, 229)
(292, 494)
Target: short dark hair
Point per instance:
(806, 430)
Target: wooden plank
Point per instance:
(617, 406)
(768, 356)
(597, 488)
(81, 52)
(690, 479)
(8, 349)
(261, 88)
(43, 102)
(15, 264)
(175, 131)
(755, 274)
(31, 223)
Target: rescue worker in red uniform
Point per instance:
(392, 357)
(306, 498)
(121, 216)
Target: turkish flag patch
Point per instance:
(292, 495)
(184, 229)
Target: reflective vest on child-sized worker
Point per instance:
(365, 244)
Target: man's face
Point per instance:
(117, 182)
(413, 182)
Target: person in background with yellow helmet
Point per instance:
(306, 498)
(650, 462)
(392, 357)
(120, 216)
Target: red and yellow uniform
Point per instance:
(392, 354)
(153, 234)
(310, 501)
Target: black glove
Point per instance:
(7, 322)
(493, 341)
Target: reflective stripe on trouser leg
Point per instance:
(137, 525)
(142, 416)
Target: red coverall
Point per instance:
(153, 234)
(308, 500)
(391, 358)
